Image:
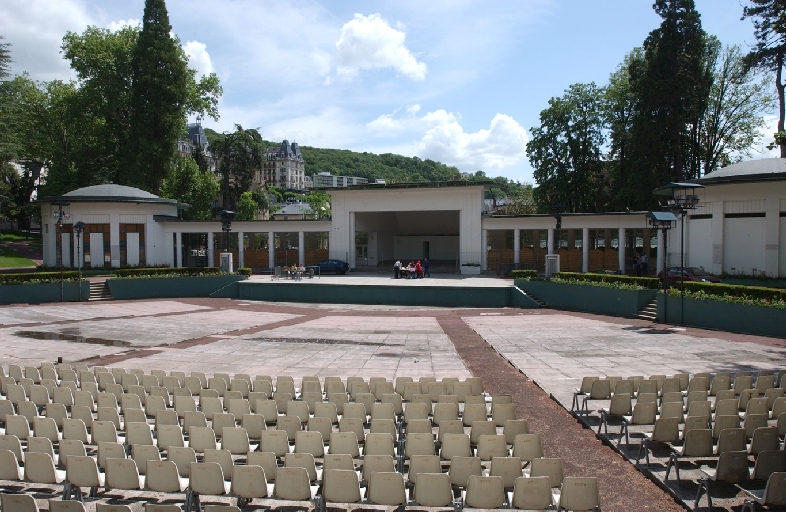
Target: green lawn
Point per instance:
(18, 236)
(10, 258)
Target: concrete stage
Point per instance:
(374, 288)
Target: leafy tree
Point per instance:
(565, 150)
(246, 207)
(187, 183)
(319, 204)
(734, 117)
(769, 24)
(671, 86)
(159, 93)
(520, 200)
(240, 155)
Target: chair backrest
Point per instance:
(11, 443)
(18, 503)
(445, 412)
(601, 389)
(769, 462)
(9, 466)
(774, 493)
(183, 458)
(65, 506)
(386, 488)
(207, 477)
(765, 438)
(107, 450)
(40, 468)
(512, 428)
(474, 412)
(82, 471)
(730, 440)
(276, 441)
(320, 424)
(309, 442)
(586, 384)
(326, 410)
(579, 493)
(419, 444)
(455, 445)
(482, 428)
(698, 443)
(383, 411)
(249, 481)
(292, 484)
(142, 453)
(162, 476)
(509, 468)
(732, 467)
(491, 446)
(379, 444)
(122, 474)
(223, 458)
(528, 446)
(433, 489)
(299, 409)
(302, 460)
(620, 404)
(17, 426)
(384, 426)
(138, 433)
(355, 410)
(344, 443)
(533, 493)
(500, 413)
(724, 421)
(461, 468)
(485, 492)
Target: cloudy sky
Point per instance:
(458, 81)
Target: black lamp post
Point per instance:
(557, 209)
(79, 228)
(680, 198)
(60, 215)
(663, 221)
(226, 225)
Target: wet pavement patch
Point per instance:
(320, 341)
(65, 336)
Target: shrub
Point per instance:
(736, 290)
(244, 271)
(650, 283)
(523, 274)
(167, 272)
(38, 277)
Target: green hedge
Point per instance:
(168, 271)
(650, 283)
(244, 271)
(735, 290)
(523, 274)
(37, 277)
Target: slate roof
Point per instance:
(109, 193)
(752, 170)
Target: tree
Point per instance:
(520, 200)
(247, 207)
(239, 154)
(187, 183)
(671, 86)
(319, 203)
(565, 150)
(159, 94)
(734, 118)
(768, 53)
(8, 107)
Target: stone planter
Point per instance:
(726, 316)
(42, 292)
(470, 270)
(174, 287)
(588, 298)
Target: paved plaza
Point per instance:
(554, 349)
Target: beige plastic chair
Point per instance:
(123, 474)
(528, 447)
(415, 411)
(422, 464)
(551, 468)
(387, 488)
(9, 466)
(327, 410)
(302, 460)
(491, 446)
(500, 413)
(764, 439)
(65, 506)
(731, 440)
(46, 427)
(509, 468)
(40, 469)
(18, 503)
(276, 441)
(248, 482)
(309, 442)
(163, 476)
(206, 478)
(473, 413)
(254, 425)
(376, 463)
(298, 408)
(292, 484)
(732, 467)
(444, 412)
(419, 427)
(142, 453)
(419, 444)
(82, 471)
(512, 428)
(698, 443)
(341, 486)
(723, 422)
(344, 443)
(235, 439)
(485, 492)
(202, 438)
(579, 494)
(383, 411)
(321, 425)
(170, 436)
(385, 426)
(461, 468)
(289, 424)
(109, 451)
(532, 493)
(223, 458)
(353, 425)
(139, 433)
(455, 445)
(183, 458)
(355, 410)
(378, 444)
(17, 426)
(268, 409)
(774, 494)
(221, 421)
(311, 399)
(12, 444)
(753, 422)
(433, 490)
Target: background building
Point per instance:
(327, 180)
(284, 167)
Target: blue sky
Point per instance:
(461, 81)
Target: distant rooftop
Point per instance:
(752, 170)
(425, 184)
(109, 193)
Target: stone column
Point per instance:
(621, 261)
(484, 249)
(516, 246)
(550, 243)
(211, 257)
(585, 249)
(240, 252)
(179, 248)
(352, 249)
(301, 248)
(271, 249)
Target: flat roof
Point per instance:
(425, 184)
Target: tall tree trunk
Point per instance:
(781, 100)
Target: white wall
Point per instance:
(440, 247)
(744, 244)
(699, 241)
(782, 262)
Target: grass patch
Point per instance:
(12, 259)
(18, 236)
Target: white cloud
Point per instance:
(413, 109)
(502, 145)
(390, 123)
(114, 26)
(198, 58)
(369, 42)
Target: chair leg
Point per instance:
(66, 492)
(748, 506)
(704, 487)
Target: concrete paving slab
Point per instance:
(18, 315)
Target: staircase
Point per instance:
(540, 302)
(99, 290)
(649, 312)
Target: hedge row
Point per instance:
(650, 283)
(167, 271)
(38, 277)
(244, 271)
(736, 290)
(523, 274)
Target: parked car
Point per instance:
(689, 274)
(337, 266)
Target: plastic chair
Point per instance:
(82, 471)
(302, 460)
(40, 469)
(579, 494)
(206, 478)
(9, 466)
(528, 447)
(276, 441)
(461, 468)
(485, 492)
(509, 468)
(201, 439)
(455, 445)
(422, 464)
(183, 458)
(142, 453)
(419, 444)
(235, 439)
(378, 444)
(248, 482)
(533, 493)
(387, 488)
(774, 494)
(512, 428)
(344, 443)
(18, 503)
(123, 474)
(732, 467)
(321, 425)
(491, 446)
(109, 451)
(163, 476)
(500, 413)
(292, 484)
(433, 490)
(265, 460)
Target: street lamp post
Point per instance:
(60, 215)
(558, 209)
(680, 198)
(663, 221)
(226, 226)
(79, 228)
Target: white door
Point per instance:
(132, 249)
(65, 242)
(96, 249)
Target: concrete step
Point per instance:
(649, 312)
(99, 290)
